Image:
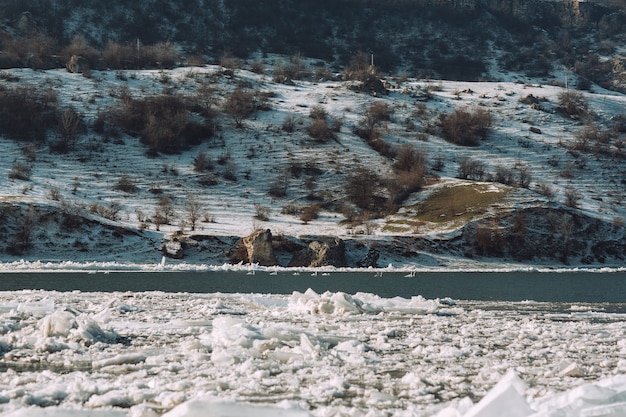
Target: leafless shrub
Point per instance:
(409, 172)
(258, 67)
(320, 131)
(573, 104)
(21, 240)
(193, 208)
(71, 124)
(471, 169)
(504, 175)
(278, 187)
(310, 213)
(110, 212)
(125, 184)
(295, 69)
(208, 180)
(165, 208)
(118, 56)
(318, 112)
(289, 123)
(362, 188)
(410, 159)
(262, 212)
(54, 194)
(160, 55)
(368, 128)
(34, 50)
(79, 47)
(229, 63)
(240, 105)
(164, 123)
(465, 127)
(20, 171)
(524, 177)
(546, 191)
(202, 162)
(572, 197)
(230, 171)
(27, 113)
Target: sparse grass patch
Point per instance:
(459, 203)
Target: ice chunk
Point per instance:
(505, 399)
(58, 323)
(37, 308)
(208, 407)
(128, 358)
(59, 412)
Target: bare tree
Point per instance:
(193, 208)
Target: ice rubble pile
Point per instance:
(606, 398)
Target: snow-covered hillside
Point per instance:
(528, 135)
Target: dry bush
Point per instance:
(262, 212)
(27, 113)
(202, 162)
(35, 50)
(71, 124)
(240, 104)
(117, 56)
(359, 67)
(20, 171)
(295, 69)
(362, 187)
(125, 184)
(278, 187)
(592, 138)
(368, 128)
(410, 159)
(289, 123)
(110, 212)
(79, 47)
(379, 112)
(229, 63)
(465, 127)
(310, 213)
(573, 104)
(546, 191)
(159, 55)
(471, 169)
(572, 197)
(318, 112)
(128, 56)
(320, 130)
(164, 123)
(504, 175)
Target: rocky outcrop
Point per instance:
(173, 249)
(325, 252)
(255, 248)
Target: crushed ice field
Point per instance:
(305, 354)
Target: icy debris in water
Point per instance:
(208, 407)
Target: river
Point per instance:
(588, 287)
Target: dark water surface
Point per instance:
(589, 287)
